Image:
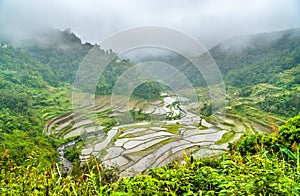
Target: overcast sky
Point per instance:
(210, 21)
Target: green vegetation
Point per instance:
(149, 90)
(259, 59)
(281, 104)
(25, 95)
(261, 74)
(152, 148)
(259, 171)
(287, 135)
(226, 137)
(138, 116)
(108, 123)
(72, 154)
(262, 84)
(172, 128)
(62, 51)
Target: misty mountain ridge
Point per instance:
(266, 39)
(266, 53)
(45, 37)
(258, 58)
(264, 59)
(262, 82)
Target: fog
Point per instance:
(209, 21)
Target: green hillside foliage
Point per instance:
(288, 135)
(24, 92)
(261, 74)
(261, 172)
(19, 68)
(258, 58)
(284, 105)
(149, 90)
(264, 71)
(62, 51)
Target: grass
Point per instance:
(226, 137)
(172, 128)
(203, 127)
(228, 124)
(227, 175)
(138, 116)
(245, 112)
(152, 148)
(104, 114)
(137, 134)
(263, 171)
(108, 123)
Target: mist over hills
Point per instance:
(257, 58)
(243, 61)
(261, 73)
(53, 58)
(214, 112)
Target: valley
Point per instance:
(137, 147)
(157, 141)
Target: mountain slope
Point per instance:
(264, 70)
(23, 84)
(35, 81)
(62, 51)
(257, 58)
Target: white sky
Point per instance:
(210, 21)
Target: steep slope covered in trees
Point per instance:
(262, 67)
(258, 58)
(23, 84)
(265, 68)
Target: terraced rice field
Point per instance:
(136, 147)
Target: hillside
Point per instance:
(62, 51)
(264, 68)
(258, 164)
(262, 77)
(24, 87)
(29, 73)
(257, 58)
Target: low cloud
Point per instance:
(210, 21)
